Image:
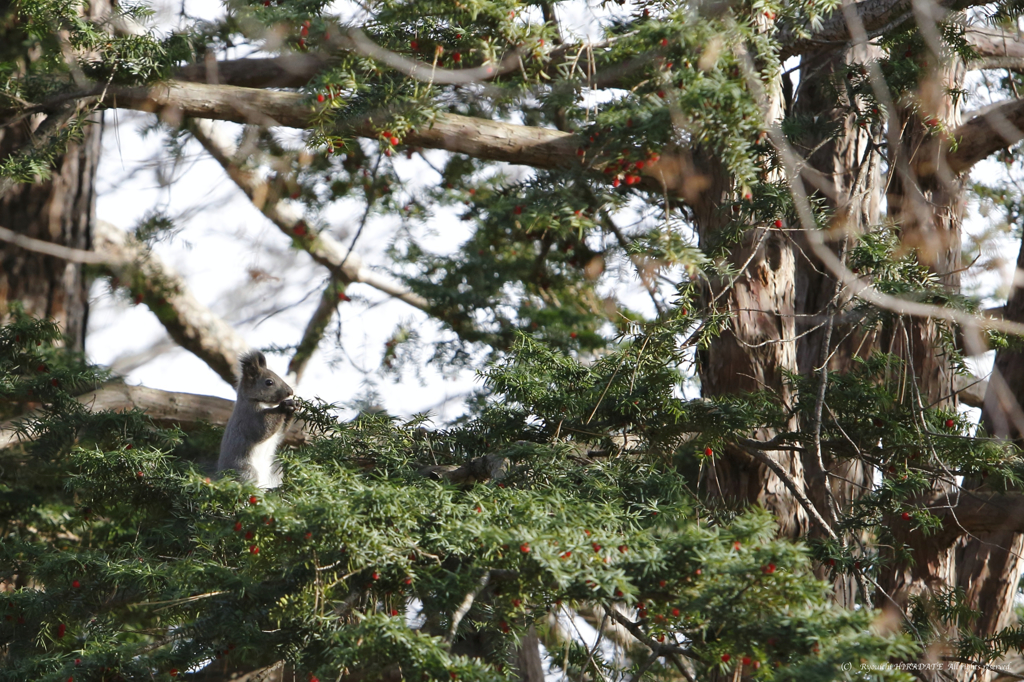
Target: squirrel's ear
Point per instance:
(252, 362)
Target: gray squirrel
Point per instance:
(263, 411)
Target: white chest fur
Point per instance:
(263, 460)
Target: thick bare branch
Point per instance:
(995, 128)
(191, 324)
(877, 16)
(51, 249)
(166, 408)
(493, 140)
(995, 43)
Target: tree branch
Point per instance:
(191, 324)
(315, 329)
(481, 138)
(995, 128)
(166, 408)
(751, 447)
(346, 266)
(995, 43)
(877, 17)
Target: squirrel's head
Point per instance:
(259, 384)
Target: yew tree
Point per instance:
(786, 183)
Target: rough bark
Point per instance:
(926, 202)
(847, 172)
(60, 210)
(758, 347)
(991, 563)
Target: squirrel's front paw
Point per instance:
(287, 406)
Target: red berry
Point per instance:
(248, 535)
(457, 57)
(394, 140)
(238, 526)
(778, 223)
(698, 572)
(770, 15)
(78, 661)
(375, 575)
(299, 229)
(566, 554)
(516, 603)
(949, 423)
(664, 42)
(615, 182)
(572, 335)
(394, 612)
(139, 474)
(746, 660)
(736, 545)
(75, 584)
(725, 658)
(503, 625)
(708, 451)
(309, 535)
(623, 548)
(906, 516)
(253, 499)
(304, 31)
(173, 672)
(302, 42)
(61, 629)
(661, 94)
(414, 45)
(518, 210)
(675, 612)
(320, 97)
(768, 569)
(408, 581)
(525, 547)
(54, 382)
(254, 549)
(662, 583)
(342, 296)
(596, 547)
(128, 446)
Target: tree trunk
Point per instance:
(849, 179)
(59, 210)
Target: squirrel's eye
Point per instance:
(269, 382)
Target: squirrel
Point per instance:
(263, 411)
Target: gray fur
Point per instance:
(263, 410)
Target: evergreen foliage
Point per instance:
(121, 558)
(131, 562)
